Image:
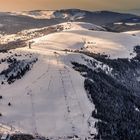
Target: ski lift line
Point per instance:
(77, 104)
(66, 67)
(77, 98)
(67, 106)
(66, 97)
(50, 81)
(66, 73)
(66, 100)
(33, 123)
(75, 93)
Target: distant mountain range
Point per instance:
(135, 11)
(15, 22)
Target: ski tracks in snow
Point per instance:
(75, 113)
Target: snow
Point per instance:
(86, 26)
(8, 38)
(80, 26)
(49, 14)
(32, 33)
(138, 79)
(3, 66)
(51, 99)
(128, 24)
(8, 129)
(113, 44)
(1, 25)
(60, 15)
(137, 109)
(78, 15)
(46, 14)
(136, 33)
(118, 23)
(131, 24)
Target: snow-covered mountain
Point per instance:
(40, 14)
(52, 100)
(14, 22)
(78, 81)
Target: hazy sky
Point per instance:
(20, 5)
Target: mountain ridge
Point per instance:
(13, 22)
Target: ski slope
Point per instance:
(50, 99)
(135, 33)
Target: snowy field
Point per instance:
(50, 99)
(134, 33)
